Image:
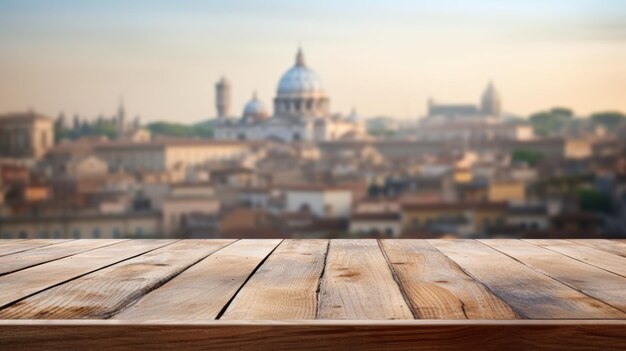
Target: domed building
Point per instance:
(301, 92)
(254, 111)
(301, 113)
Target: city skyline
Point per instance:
(165, 59)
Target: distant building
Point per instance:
(467, 123)
(301, 112)
(490, 107)
(75, 226)
(184, 202)
(25, 136)
(222, 98)
(319, 200)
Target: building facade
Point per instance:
(301, 113)
(25, 135)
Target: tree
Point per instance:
(530, 157)
(200, 130)
(562, 111)
(609, 120)
(547, 123)
(593, 200)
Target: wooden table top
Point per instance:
(314, 283)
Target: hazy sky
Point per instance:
(384, 57)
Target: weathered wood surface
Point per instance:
(589, 255)
(21, 284)
(588, 279)
(611, 246)
(203, 290)
(532, 294)
(97, 296)
(15, 246)
(316, 335)
(29, 258)
(358, 284)
(312, 294)
(285, 286)
(437, 288)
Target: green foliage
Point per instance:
(382, 133)
(530, 157)
(550, 122)
(562, 112)
(609, 120)
(594, 201)
(106, 129)
(199, 130)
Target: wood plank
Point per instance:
(313, 335)
(590, 280)
(285, 286)
(610, 246)
(9, 241)
(45, 254)
(589, 255)
(437, 288)
(23, 245)
(107, 291)
(530, 293)
(358, 284)
(23, 283)
(203, 290)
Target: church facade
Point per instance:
(301, 112)
(469, 122)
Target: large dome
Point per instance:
(300, 80)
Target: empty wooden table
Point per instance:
(312, 294)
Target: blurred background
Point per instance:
(333, 119)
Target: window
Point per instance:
(96, 233)
(23, 235)
(7, 235)
(117, 233)
(139, 232)
(76, 234)
(44, 234)
(56, 234)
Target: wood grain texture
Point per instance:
(25, 259)
(610, 246)
(358, 284)
(23, 283)
(24, 245)
(105, 292)
(531, 293)
(204, 289)
(9, 241)
(285, 286)
(437, 288)
(589, 255)
(300, 335)
(590, 280)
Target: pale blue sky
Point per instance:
(384, 57)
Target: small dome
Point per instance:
(300, 79)
(254, 110)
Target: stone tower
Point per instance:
(222, 97)
(121, 118)
(491, 104)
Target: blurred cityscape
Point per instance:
(300, 170)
